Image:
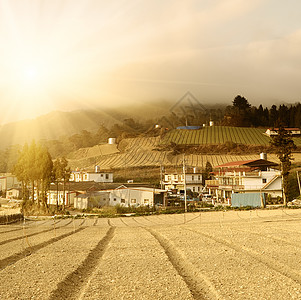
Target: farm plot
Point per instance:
(205, 255)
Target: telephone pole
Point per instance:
(184, 175)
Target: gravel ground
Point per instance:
(209, 255)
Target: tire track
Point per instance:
(199, 285)
(30, 250)
(124, 222)
(267, 236)
(31, 234)
(76, 283)
(268, 262)
(12, 230)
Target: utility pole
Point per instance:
(161, 176)
(299, 182)
(184, 175)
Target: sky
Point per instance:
(67, 55)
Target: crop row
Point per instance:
(217, 135)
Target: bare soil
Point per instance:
(208, 255)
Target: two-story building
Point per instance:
(251, 176)
(175, 181)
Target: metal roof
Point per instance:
(249, 163)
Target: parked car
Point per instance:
(207, 197)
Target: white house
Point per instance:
(97, 176)
(90, 200)
(274, 131)
(248, 177)
(54, 197)
(13, 193)
(176, 181)
(136, 196)
(9, 181)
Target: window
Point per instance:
(169, 178)
(122, 200)
(107, 176)
(199, 177)
(199, 189)
(101, 175)
(86, 176)
(146, 201)
(192, 177)
(114, 199)
(133, 200)
(193, 189)
(264, 180)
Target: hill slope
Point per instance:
(217, 135)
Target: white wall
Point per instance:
(131, 197)
(91, 176)
(257, 182)
(52, 197)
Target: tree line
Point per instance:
(36, 171)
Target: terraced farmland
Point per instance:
(140, 152)
(217, 135)
(205, 255)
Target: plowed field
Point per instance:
(208, 255)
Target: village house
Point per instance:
(96, 175)
(250, 176)
(14, 193)
(121, 195)
(137, 196)
(57, 193)
(9, 181)
(274, 131)
(91, 200)
(175, 181)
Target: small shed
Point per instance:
(247, 199)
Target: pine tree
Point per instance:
(284, 145)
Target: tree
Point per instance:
(240, 112)
(284, 145)
(61, 173)
(33, 169)
(241, 103)
(206, 173)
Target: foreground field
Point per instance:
(208, 255)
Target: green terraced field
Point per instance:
(219, 135)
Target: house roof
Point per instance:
(91, 186)
(286, 128)
(255, 163)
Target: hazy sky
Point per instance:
(64, 55)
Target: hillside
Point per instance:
(217, 135)
(57, 124)
(155, 151)
(143, 152)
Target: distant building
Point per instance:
(122, 195)
(97, 176)
(14, 193)
(9, 181)
(274, 131)
(175, 181)
(136, 196)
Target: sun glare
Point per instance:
(31, 74)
